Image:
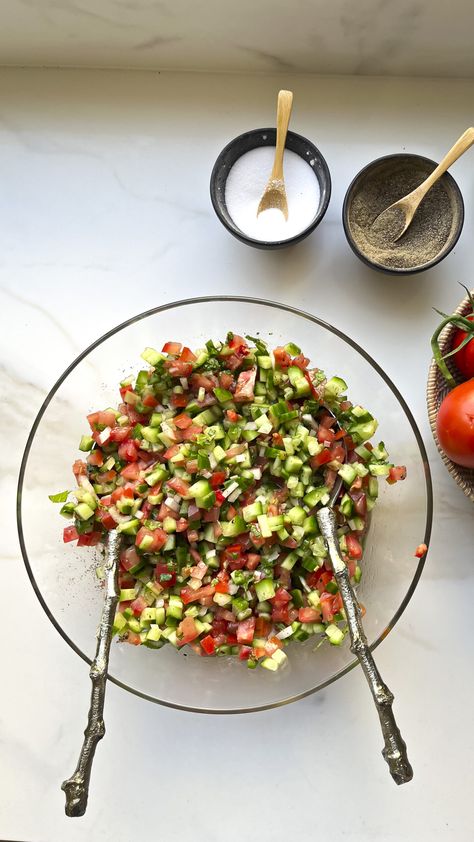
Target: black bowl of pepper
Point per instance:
(436, 226)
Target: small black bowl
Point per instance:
(388, 166)
(267, 137)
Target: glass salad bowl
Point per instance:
(63, 576)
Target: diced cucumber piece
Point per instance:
(313, 599)
(154, 632)
(264, 526)
(86, 443)
(310, 525)
(348, 474)
(290, 561)
(317, 495)
(222, 598)
(335, 386)
(127, 594)
(233, 527)
(373, 488)
(84, 511)
(265, 589)
(120, 623)
(269, 664)
(335, 635)
(346, 505)
(293, 464)
(175, 607)
(313, 446)
(252, 511)
(151, 356)
(379, 452)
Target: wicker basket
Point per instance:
(437, 389)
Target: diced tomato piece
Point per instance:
(219, 497)
(244, 653)
(277, 439)
(191, 432)
(79, 467)
(176, 368)
(301, 361)
(208, 644)
(182, 524)
(245, 385)
(178, 400)
(239, 345)
(120, 434)
(108, 476)
(232, 415)
(70, 533)
(326, 607)
(272, 645)
(158, 536)
(171, 451)
(187, 355)
(89, 539)
(282, 358)
(231, 639)
(172, 348)
(128, 451)
(325, 434)
(164, 576)
(138, 605)
(182, 421)
(252, 561)
(281, 597)
(93, 419)
(314, 391)
(280, 614)
(353, 545)
(133, 638)
(308, 615)
(131, 472)
(187, 628)
(321, 459)
(150, 401)
(188, 595)
(217, 479)
(105, 518)
(245, 630)
(421, 550)
(222, 587)
(262, 627)
(226, 380)
(121, 491)
(96, 457)
(179, 485)
(396, 474)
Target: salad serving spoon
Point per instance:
(395, 750)
(77, 786)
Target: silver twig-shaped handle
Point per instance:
(77, 786)
(395, 750)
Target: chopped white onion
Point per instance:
(104, 435)
(233, 497)
(184, 382)
(172, 503)
(250, 425)
(232, 589)
(241, 457)
(228, 491)
(284, 633)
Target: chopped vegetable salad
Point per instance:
(212, 468)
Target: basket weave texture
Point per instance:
(436, 390)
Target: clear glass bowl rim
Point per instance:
(259, 302)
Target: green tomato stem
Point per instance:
(459, 322)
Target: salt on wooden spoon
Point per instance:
(275, 193)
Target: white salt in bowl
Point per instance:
(239, 177)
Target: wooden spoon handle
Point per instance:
(395, 750)
(284, 105)
(462, 145)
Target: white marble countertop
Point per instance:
(104, 211)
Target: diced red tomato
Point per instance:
(79, 467)
(159, 538)
(120, 492)
(282, 358)
(222, 587)
(252, 561)
(325, 434)
(308, 615)
(89, 539)
(182, 421)
(262, 627)
(129, 558)
(105, 518)
(150, 401)
(171, 451)
(131, 472)
(187, 355)
(314, 391)
(96, 458)
(70, 533)
(245, 630)
(164, 576)
(191, 432)
(320, 459)
(239, 345)
(245, 385)
(226, 380)
(188, 595)
(172, 348)
(178, 400)
(120, 434)
(354, 548)
(179, 485)
(326, 607)
(177, 368)
(272, 645)
(182, 524)
(244, 653)
(282, 597)
(128, 451)
(232, 415)
(217, 479)
(138, 605)
(208, 644)
(396, 474)
(187, 628)
(133, 638)
(301, 361)
(421, 550)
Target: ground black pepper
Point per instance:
(428, 232)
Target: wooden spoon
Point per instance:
(275, 193)
(397, 217)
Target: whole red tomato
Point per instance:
(455, 424)
(464, 358)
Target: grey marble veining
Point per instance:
(375, 37)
